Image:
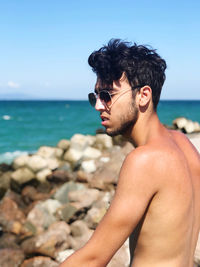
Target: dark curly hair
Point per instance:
(141, 65)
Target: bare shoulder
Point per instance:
(156, 160)
(149, 158)
(141, 167)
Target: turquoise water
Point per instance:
(27, 125)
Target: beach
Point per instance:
(52, 200)
(58, 175)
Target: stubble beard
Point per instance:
(127, 122)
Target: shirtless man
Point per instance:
(157, 200)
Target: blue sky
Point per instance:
(45, 44)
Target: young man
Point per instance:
(157, 201)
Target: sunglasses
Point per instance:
(106, 97)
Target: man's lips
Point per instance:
(104, 120)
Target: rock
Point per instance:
(40, 217)
(52, 164)
(73, 155)
(197, 252)
(104, 159)
(5, 167)
(179, 122)
(10, 257)
(83, 177)
(189, 127)
(80, 234)
(30, 194)
(39, 261)
(85, 197)
(79, 241)
(42, 175)
(108, 173)
(186, 126)
(36, 163)
(22, 175)
(11, 217)
(91, 153)
(63, 144)
(121, 258)
(104, 200)
(16, 198)
(196, 142)
(78, 228)
(62, 193)
(64, 166)
(66, 212)
(20, 161)
(103, 141)
(81, 142)
(60, 176)
(63, 255)
(88, 166)
(51, 205)
(4, 182)
(94, 216)
(50, 152)
(8, 240)
(50, 242)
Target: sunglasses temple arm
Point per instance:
(119, 97)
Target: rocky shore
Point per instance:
(51, 201)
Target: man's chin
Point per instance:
(113, 133)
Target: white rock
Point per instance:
(189, 127)
(52, 163)
(59, 152)
(104, 159)
(51, 205)
(91, 153)
(20, 161)
(79, 142)
(91, 139)
(180, 122)
(86, 196)
(196, 142)
(46, 151)
(63, 144)
(63, 255)
(36, 163)
(88, 166)
(41, 175)
(104, 141)
(94, 216)
(22, 175)
(50, 152)
(73, 155)
(196, 126)
(122, 257)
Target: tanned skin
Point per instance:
(157, 200)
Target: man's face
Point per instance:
(122, 114)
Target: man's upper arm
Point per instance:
(136, 187)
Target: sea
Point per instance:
(27, 125)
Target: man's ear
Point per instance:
(144, 96)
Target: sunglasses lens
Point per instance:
(92, 99)
(105, 97)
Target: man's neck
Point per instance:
(145, 129)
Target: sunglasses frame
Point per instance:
(96, 96)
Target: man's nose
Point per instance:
(99, 106)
